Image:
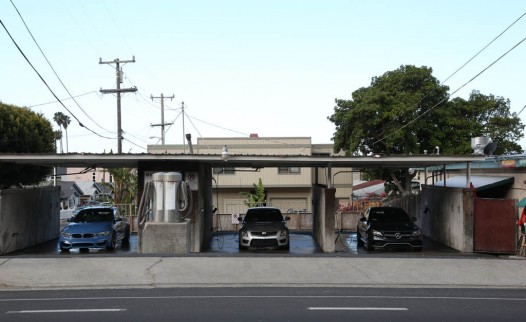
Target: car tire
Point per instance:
(111, 245)
(126, 238)
(367, 245)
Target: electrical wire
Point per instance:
(45, 83)
(466, 63)
(484, 48)
(53, 69)
(458, 89)
(62, 99)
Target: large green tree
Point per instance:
(23, 131)
(407, 111)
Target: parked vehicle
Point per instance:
(263, 227)
(95, 227)
(382, 227)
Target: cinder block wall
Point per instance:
(28, 217)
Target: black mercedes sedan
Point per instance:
(382, 227)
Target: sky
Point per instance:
(272, 67)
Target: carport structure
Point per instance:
(324, 205)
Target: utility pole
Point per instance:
(118, 90)
(162, 114)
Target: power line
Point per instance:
(458, 89)
(53, 69)
(62, 99)
(45, 83)
(484, 48)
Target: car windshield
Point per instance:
(264, 215)
(388, 215)
(94, 215)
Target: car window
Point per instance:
(94, 215)
(388, 215)
(264, 215)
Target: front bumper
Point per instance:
(264, 238)
(396, 240)
(85, 241)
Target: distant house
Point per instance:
(93, 191)
(70, 194)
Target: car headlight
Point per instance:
(377, 233)
(103, 233)
(283, 233)
(417, 233)
(65, 234)
(244, 233)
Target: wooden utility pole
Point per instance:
(118, 90)
(162, 97)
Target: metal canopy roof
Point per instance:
(480, 183)
(254, 161)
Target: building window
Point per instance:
(223, 170)
(288, 170)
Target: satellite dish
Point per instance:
(490, 148)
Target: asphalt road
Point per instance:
(265, 304)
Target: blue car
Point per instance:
(95, 227)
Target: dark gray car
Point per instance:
(264, 227)
(382, 227)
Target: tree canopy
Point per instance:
(407, 111)
(24, 131)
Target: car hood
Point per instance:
(264, 225)
(88, 227)
(399, 226)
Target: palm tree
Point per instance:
(58, 118)
(58, 136)
(62, 120)
(65, 122)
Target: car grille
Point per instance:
(82, 235)
(264, 233)
(264, 242)
(398, 234)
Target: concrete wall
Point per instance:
(28, 217)
(444, 214)
(324, 210)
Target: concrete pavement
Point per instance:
(309, 271)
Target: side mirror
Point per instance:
(240, 218)
(287, 218)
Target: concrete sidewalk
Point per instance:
(116, 272)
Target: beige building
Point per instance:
(288, 188)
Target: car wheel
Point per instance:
(126, 239)
(368, 245)
(111, 245)
(359, 240)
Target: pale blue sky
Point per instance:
(267, 67)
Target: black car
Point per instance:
(382, 227)
(263, 227)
